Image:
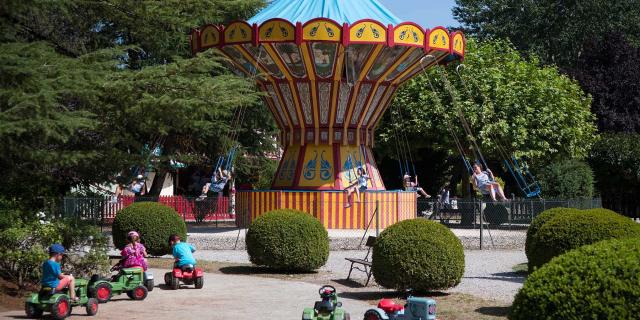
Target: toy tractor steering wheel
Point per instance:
(327, 291)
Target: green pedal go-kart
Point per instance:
(59, 303)
(135, 282)
(328, 308)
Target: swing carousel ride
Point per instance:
(329, 69)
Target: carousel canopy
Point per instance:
(329, 68)
(338, 10)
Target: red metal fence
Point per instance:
(190, 209)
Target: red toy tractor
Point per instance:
(187, 274)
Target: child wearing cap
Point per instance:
(134, 253)
(52, 276)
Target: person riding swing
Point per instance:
(359, 186)
(485, 182)
(414, 186)
(219, 180)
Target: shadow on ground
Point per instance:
(516, 277)
(248, 270)
(494, 311)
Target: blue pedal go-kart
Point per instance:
(415, 309)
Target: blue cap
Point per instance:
(56, 248)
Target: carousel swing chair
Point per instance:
(225, 162)
(353, 166)
(406, 163)
(518, 168)
(139, 173)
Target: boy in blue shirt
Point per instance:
(182, 251)
(52, 276)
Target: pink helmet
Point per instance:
(132, 234)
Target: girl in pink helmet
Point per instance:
(134, 253)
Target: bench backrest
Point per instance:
(370, 242)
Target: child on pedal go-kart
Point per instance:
(182, 252)
(52, 276)
(184, 269)
(134, 253)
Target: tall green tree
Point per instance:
(557, 31)
(87, 84)
(510, 102)
(610, 71)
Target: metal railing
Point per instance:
(102, 210)
(502, 224)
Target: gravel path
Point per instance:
(488, 273)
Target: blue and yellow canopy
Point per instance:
(329, 65)
(343, 11)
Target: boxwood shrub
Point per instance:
(288, 240)
(536, 224)
(153, 221)
(599, 281)
(574, 229)
(418, 254)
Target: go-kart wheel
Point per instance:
(149, 284)
(174, 283)
(102, 292)
(92, 307)
(32, 311)
(167, 278)
(372, 315)
(139, 293)
(61, 308)
(199, 282)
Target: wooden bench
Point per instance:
(365, 263)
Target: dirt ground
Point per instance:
(241, 291)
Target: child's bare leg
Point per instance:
(492, 192)
(357, 194)
(72, 287)
(350, 191)
(501, 193)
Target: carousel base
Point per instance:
(374, 208)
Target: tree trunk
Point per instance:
(158, 181)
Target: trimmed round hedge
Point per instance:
(573, 229)
(599, 281)
(536, 224)
(153, 221)
(418, 254)
(288, 240)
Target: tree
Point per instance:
(531, 111)
(616, 163)
(556, 31)
(87, 84)
(594, 41)
(610, 71)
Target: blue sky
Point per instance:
(427, 13)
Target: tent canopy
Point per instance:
(341, 11)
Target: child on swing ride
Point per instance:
(414, 186)
(485, 182)
(359, 186)
(217, 184)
